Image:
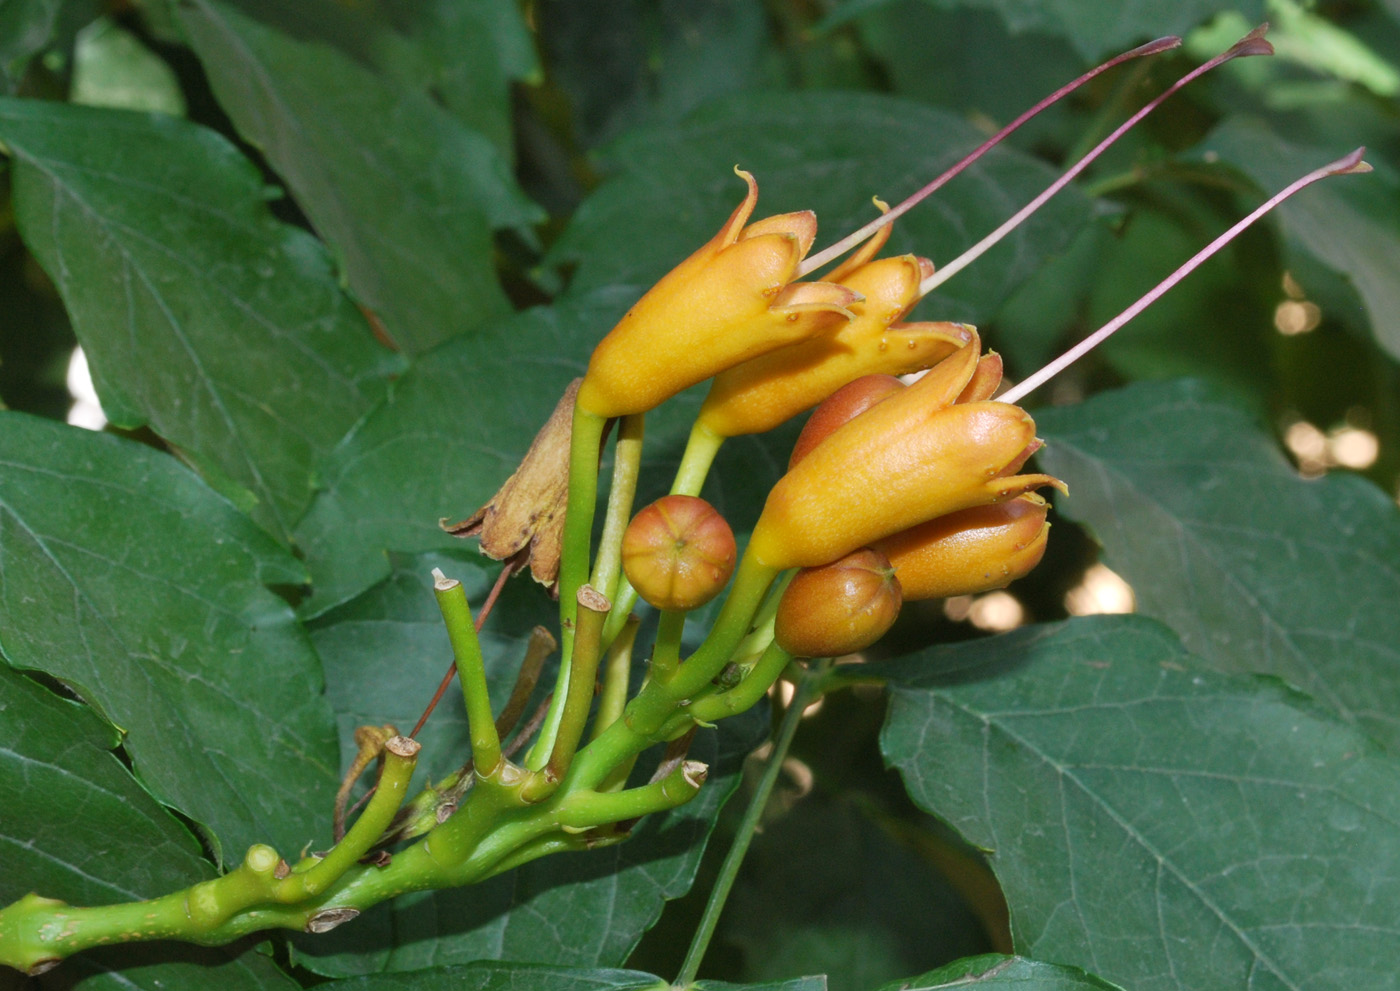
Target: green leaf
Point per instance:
(994, 971)
(1151, 821)
(200, 314)
(112, 68)
(1096, 29)
(629, 62)
(384, 653)
(467, 54)
(1349, 225)
(405, 194)
(674, 187)
(127, 579)
(494, 976)
(813, 983)
(1211, 328)
(26, 28)
(70, 804)
(155, 967)
(80, 828)
(1253, 567)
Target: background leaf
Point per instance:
(200, 314)
(130, 581)
(70, 803)
(159, 967)
(824, 889)
(1092, 28)
(493, 976)
(1151, 821)
(992, 972)
(674, 186)
(1255, 568)
(405, 194)
(1347, 226)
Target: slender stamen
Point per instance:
(1347, 165)
(1251, 44)
(847, 243)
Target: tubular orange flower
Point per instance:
(917, 455)
(760, 394)
(731, 301)
(972, 550)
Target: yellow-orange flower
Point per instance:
(760, 394)
(972, 550)
(731, 301)
(917, 455)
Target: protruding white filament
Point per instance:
(847, 243)
(1346, 165)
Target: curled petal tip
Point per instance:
(1252, 44)
(1350, 164)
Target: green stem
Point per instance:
(709, 708)
(588, 809)
(666, 649)
(592, 611)
(471, 670)
(400, 756)
(617, 676)
(700, 451)
(623, 603)
(627, 462)
(584, 444)
(729, 871)
(751, 582)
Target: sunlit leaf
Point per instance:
(1151, 821)
(1255, 568)
(200, 314)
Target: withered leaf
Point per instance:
(526, 515)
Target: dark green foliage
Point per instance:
(333, 306)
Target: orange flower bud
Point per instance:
(678, 553)
(913, 457)
(760, 394)
(839, 608)
(972, 550)
(843, 405)
(727, 303)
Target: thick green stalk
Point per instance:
(493, 830)
(584, 444)
(471, 671)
